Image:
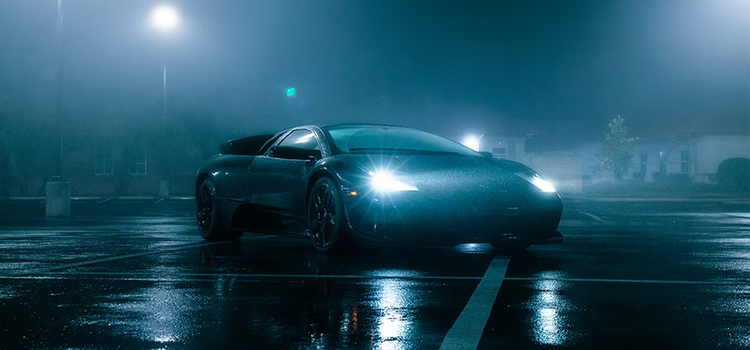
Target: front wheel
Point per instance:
(210, 221)
(326, 221)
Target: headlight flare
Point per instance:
(536, 180)
(383, 181)
(542, 184)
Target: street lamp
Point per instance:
(165, 19)
(57, 191)
(472, 141)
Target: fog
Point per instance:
(555, 73)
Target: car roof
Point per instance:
(360, 124)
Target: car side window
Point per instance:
(268, 144)
(301, 138)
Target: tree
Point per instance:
(734, 175)
(616, 152)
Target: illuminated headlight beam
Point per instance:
(542, 184)
(536, 180)
(382, 181)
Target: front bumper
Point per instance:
(453, 218)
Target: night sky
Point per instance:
(492, 67)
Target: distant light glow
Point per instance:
(290, 92)
(165, 17)
(471, 141)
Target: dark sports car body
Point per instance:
(373, 182)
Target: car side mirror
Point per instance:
(287, 152)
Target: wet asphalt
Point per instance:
(135, 274)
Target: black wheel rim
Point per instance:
(205, 209)
(323, 216)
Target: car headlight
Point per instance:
(537, 181)
(383, 181)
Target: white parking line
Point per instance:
(593, 217)
(468, 328)
(182, 276)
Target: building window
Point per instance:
(662, 163)
(499, 153)
(103, 163)
(137, 164)
(644, 161)
(685, 161)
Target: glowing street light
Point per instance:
(472, 141)
(165, 17)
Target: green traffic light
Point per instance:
(290, 92)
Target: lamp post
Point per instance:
(57, 191)
(165, 19)
(58, 107)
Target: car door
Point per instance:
(230, 177)
(279, 183)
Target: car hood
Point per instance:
(446, 173)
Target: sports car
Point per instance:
(361, 182)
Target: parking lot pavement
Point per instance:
(135, 274)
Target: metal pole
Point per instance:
(58, 165)
(164, 183)
(164, 103)
(57, 192)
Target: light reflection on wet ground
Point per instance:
(601, 289)
(392, 298)
(549, 321)
(159, 314)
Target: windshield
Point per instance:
(378, 139)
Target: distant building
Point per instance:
(697, 158)
(561, 169)
(504, 147)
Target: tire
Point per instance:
(326, 220)
(210, 220)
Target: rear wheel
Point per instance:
(326, 221)
(210, 220)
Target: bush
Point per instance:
(734, 175)
(671, 182)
